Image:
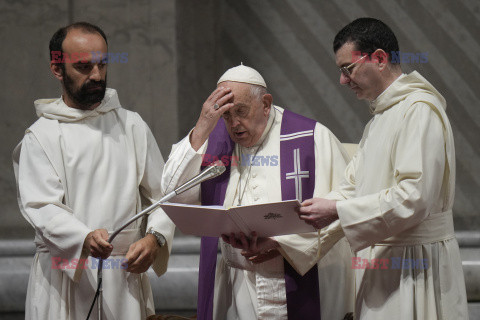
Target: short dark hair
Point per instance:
(58, 37)
(368, 35)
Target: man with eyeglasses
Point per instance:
(395, 204)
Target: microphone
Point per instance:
(213, 170)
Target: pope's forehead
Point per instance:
(242, 92)
(235, 86)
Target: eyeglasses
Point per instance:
(346, 70)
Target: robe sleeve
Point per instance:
(41, 195)
(150, 187)
(330, 161)
(331, 234)
(346, 188)
(418, 162)
(183, 164)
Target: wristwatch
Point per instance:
(160, 238)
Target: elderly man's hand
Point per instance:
(141, 254)
(256, 250)
(318, 212)
(216, 104)
(97, 245)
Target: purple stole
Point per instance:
(297, 167)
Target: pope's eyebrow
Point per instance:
(240, 105)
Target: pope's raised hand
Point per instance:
(219, 101)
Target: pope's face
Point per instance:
(364, 78)
(84, 81)
(247, 119)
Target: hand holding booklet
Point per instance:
(268, 219)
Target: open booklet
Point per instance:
(269, 219)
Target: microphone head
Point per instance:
(216, 168)
(213, 170)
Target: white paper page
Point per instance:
(210, 221)
(272, 219)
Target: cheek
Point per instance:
(256, 129)
(365, 84)
(76, 79)
(367, 78)
(228, 124)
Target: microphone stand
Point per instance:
(215, 169)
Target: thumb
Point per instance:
(307, 202)
(104, 234)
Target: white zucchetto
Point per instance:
(243, 74)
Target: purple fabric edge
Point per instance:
(303, 301)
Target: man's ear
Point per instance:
(56, 70)
(267, 100)
(381, 58)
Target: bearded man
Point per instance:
(82, 170)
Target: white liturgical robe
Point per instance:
(79, 171)
(396, 211)
(249, 291)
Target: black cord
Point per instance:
(95, 298)
(99, 285)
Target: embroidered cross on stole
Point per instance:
(297, 167)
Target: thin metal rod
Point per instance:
(142, 213)
(214, 170)
(115, 233)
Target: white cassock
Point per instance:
(79, 171)
(247, 291)
(400, 189)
